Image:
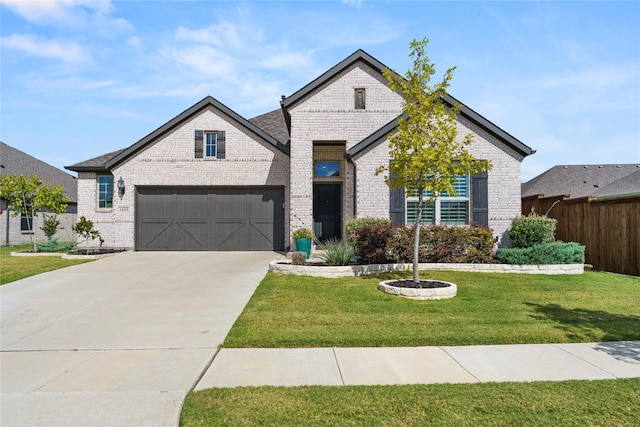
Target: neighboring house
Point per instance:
(16, 230)
(577, 181)
(210, 179)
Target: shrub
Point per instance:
(50, 225)
(353, 225)
(338, 252)
(372, 243)
(55, 246)
(473, 244)
(298, 258)
(546, 253)
(532, 230)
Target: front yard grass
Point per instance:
(567, 403)
(299, 311)
(15, 268)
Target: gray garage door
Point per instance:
(222, 219)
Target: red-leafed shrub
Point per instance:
(372, 243)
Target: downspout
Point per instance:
(355, 186)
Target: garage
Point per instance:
(209, 219)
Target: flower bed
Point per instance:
(316, 270)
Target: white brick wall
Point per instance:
(170, 161)
(329, 114)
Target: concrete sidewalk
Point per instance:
(234, 367)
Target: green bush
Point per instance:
(353, 225)
(532, 230)
(546, 253)
(55, 246)
(337, 252)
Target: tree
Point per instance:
(84, 228)
(426, 153)
(28, 196)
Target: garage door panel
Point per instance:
(210, 218)
(231, 235)
(156, 235)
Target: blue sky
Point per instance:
(83, 78)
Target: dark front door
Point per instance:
(327, 208)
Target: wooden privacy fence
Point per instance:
(608, 227)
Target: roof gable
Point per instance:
(381, 133)
(108, 161)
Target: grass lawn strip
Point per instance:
(567, 403)
(16, 268)
(302, 311)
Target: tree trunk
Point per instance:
(416, 242)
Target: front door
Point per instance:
(327, 210)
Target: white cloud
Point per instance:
(66, 12)
(32, 45)
(93, 15)
(352, 3)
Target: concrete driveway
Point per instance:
(119, 341)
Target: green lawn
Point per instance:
(15, 268)
(295, 311)
(567, 403)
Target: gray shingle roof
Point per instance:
(273, 123)
(16, 162)
(577, 180)
(630, 184)
(96, 163)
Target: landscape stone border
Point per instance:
(419, 293)
(285, 267)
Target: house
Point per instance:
(209, 179)
(577, 181)
(17, 230)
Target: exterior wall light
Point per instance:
(121, 187)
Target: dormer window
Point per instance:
(360, 99)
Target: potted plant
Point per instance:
(303, 238)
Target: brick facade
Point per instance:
(324, 115)
(170, 161)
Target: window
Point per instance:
(26, 223)
(327, 169)
(211, 141)
(445, 210)
(360, 103)
(105, 192)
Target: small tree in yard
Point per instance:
(84, 229)
(426, 154)
(27, 196)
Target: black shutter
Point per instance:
(221, 146)
(199, 143)
(396, 204)
(480, 198)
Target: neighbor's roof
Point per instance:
(580, 180)
(16, 162)
(627, 185)
(107, 161)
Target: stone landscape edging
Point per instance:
(285, 267)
